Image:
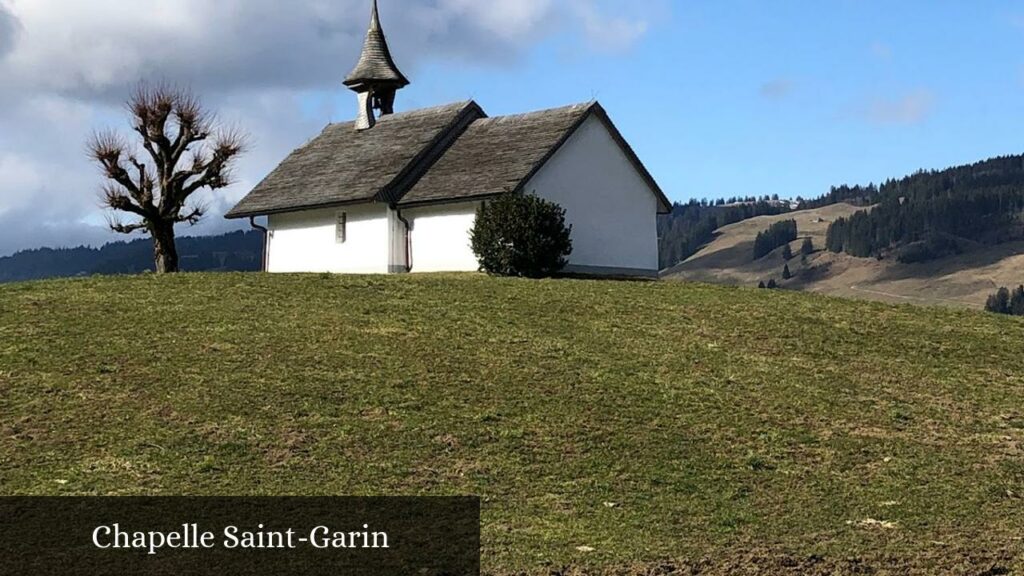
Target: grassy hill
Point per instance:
(965, 280)
(672, 428)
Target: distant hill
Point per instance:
(729, 258)
(237, 251)
(963, 280)
(948, 237)
(692, 225)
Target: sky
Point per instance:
(719, 98)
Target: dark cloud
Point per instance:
(9, 28)
(257, 44)
(35, 226)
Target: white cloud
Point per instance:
(507, 20)
(67, 66)
(608, 32)
(912, 108)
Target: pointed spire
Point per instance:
(376, 67)
(375, 18)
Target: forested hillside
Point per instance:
(855, 195)
(692, 225)
(238, 251)
(933, 214)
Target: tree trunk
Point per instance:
(164, 250)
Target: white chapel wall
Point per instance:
(611, 207)
(440, 237)
(307, 241)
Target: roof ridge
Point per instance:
(581, 106)
(468, 113)
(457, 104)
(460, 105)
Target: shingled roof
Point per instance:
(501, 154)
(436, 155)
(375, 63)
(346, 166)
(496, 155)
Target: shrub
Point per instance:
(521, 235)
(1017, 302)
(1005, 302)
(999, 302)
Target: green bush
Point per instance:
(521, 235)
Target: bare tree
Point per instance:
(185, 152)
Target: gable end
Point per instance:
(664, 204)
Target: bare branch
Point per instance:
(194, 123)
(150, 107)
(194, 215)
(120, 227)
(117, 198)
(216, 171)
(108, 149)
(145, 181)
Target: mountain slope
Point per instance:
(965, 280)
(669, 428)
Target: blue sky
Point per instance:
(718, 97)
(725, 98)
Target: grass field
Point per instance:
(669, 427)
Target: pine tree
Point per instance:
(1017, 302)
(778, 234)
(787, 253)
(761, 285)
(992, 304)
(1003, 299)
(786, 274)
(808, 247)
(772, 284)
(999, 302)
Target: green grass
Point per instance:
(648, 421)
